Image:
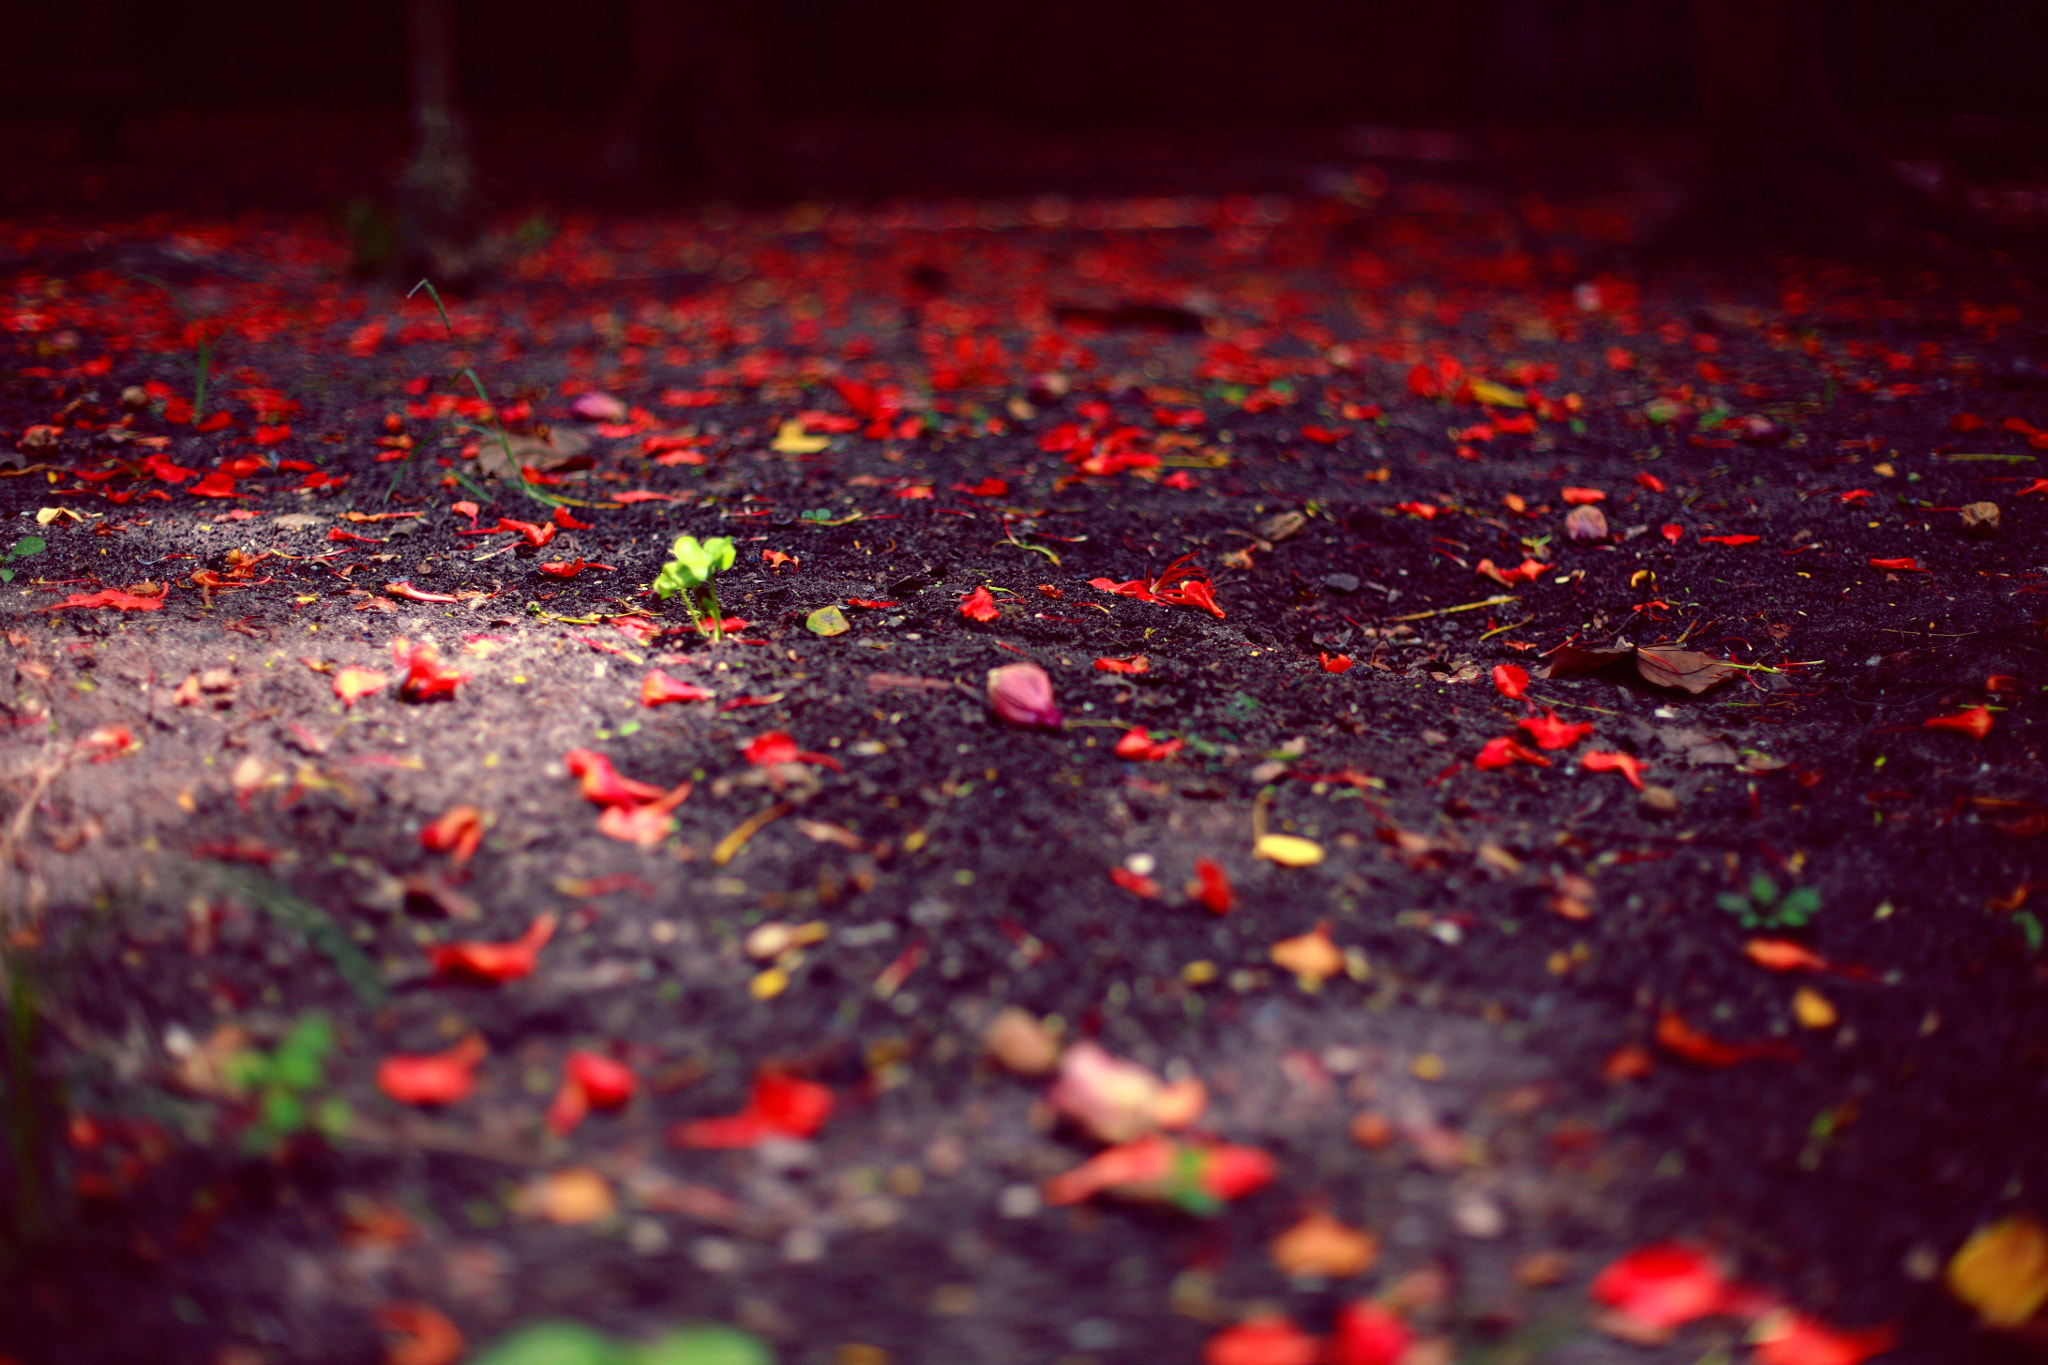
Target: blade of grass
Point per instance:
(497, 427)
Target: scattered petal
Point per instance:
(1116, 1101)
(1611, 761)
(1789, 1338)
(353, 684)
(1262, 1341)
(1654, 1289)
(1022, 695)
(780, 1106)
(979, 605)
(1367, 1332)
(460, 831)
(658, 689)
(1211, 887)
(1975, 722)
(1512, 680)
(494, 961)
(434, 1078)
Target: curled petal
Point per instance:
(1022, 695)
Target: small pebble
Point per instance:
(1093, 1334)
(715, 1255)
(1019, 1201)
(1658, 800)
(1477, 1215)
(647, 1237)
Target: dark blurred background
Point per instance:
(781, 98)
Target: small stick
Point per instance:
(731, 844)
(1446, 611)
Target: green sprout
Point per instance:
(281, 1085)
(497, 427)
(202, 360)
(21, 549)
(689, 571)
(1762, 906)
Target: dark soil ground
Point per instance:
(1325, 400)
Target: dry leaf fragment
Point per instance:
(1685, 668)
(2002, 1271)
(1980, 518)
(573, 1195)
(1321, 1246)
(1585, 523)
(1812, 1009)
(1313, 957)
(1021, 1043)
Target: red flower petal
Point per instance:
(1551, 733)
(1975, 722)
(1262, 1341)
(1511, 679)
(1661, 1287)
(658, 688)
(494, 961)
(437, 1078)
(979, 605)
(1611, 761)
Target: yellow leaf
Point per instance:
(1499, 395)
(46, 515)
(1321, 1246)
(1812, 1009)
(790, 440)
(1288, 850)
(2002, 1271)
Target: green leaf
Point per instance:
(555, 1343)
(1801, 903)
(709, 1344)
(6, 575)
(2030, 928)
(26, 546)
(333, 1117)
(827, 621)
(1763, 890)
(1732, 903)
(281, 1112)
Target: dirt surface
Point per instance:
(1541, 1039)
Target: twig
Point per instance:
(1446, 611)
(17, 828)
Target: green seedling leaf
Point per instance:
(282, 1112)
(1763, 890)
(692, 562)
(555, 1343)
(710, 1344)
(2030, 928)
(26, 546)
